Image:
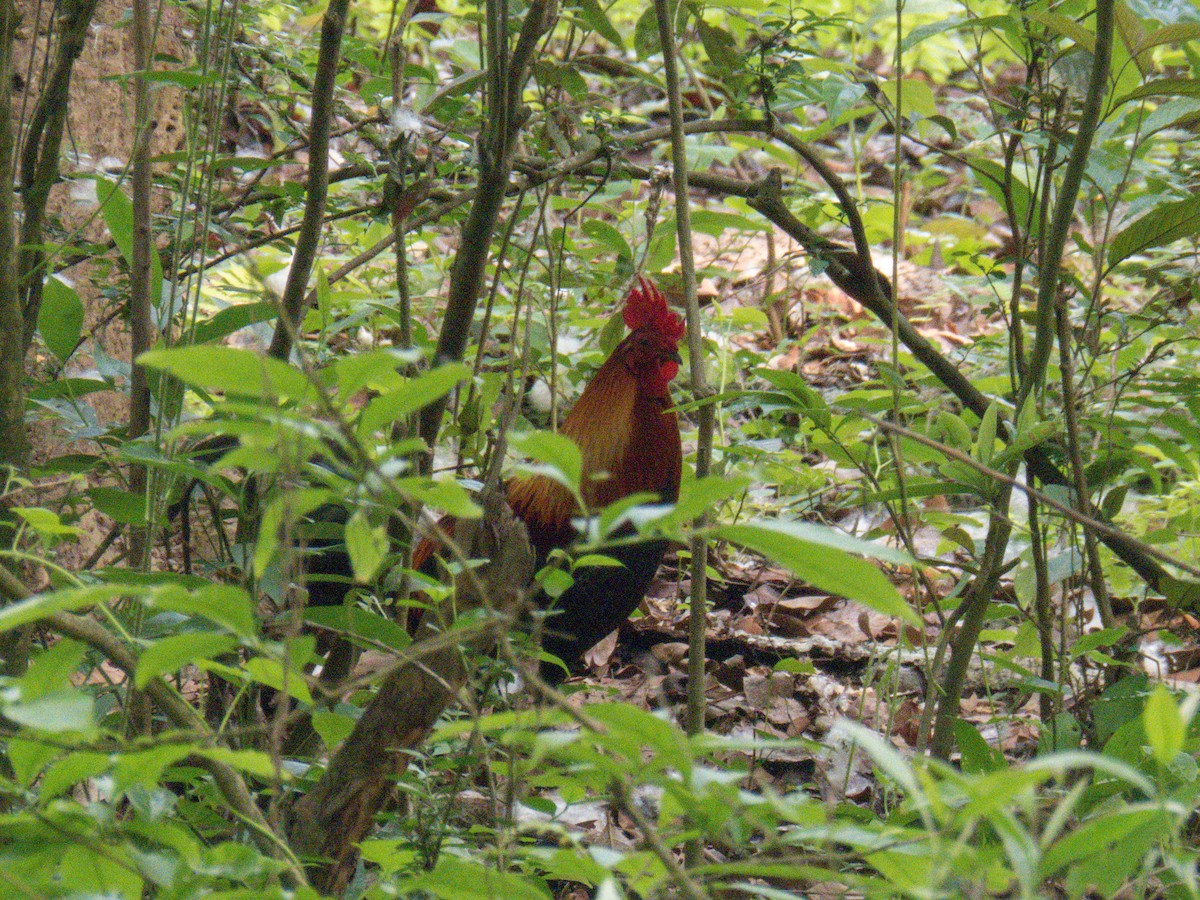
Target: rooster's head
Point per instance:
(651, 351)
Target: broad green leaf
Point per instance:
(1095, 837)
(411, 395)
(28, 758)
(822, 557)
(560, 456)
(1166, 223)
(225, 604)
(632, 731)
(1165, 728)
(916, 97)
(607, 236)
(52, 669)
(1026, 439)
(594, 15)
(1064, 26)
(237, 373)
(270, 672)
(170, 654)
(1163, 87)
(45, 522)
(333, 728)
(60, 318)
(455, 878)
(977, 756)
(367, 546)
(991, 177)
(146, 767)
(120, 506)
(70, 771)
(449, 497)
(720, 46)
(56, 713)
(231, 319)
(645, 34)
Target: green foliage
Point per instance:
(951, 118)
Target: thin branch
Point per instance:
(39, 160)
(294, 304)
(1050, 262)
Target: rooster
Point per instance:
(628, 437)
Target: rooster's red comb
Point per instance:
(646, 306)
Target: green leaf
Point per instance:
(237, 373)
(42, 606)
(252, 762)
(52, 669)
(367, 546)
(977, 756)
(607, 236)
(28, 758)
(56, 713)
(410, 395)
(333, 728)
(985, 446)
(60, 318)
(45, 522)
(559, 455)
(285, 508)
(1026, 439)
(270, 672)
(1164, 224)
(596, 18)
(231, 319)
(171, 654)
(459, 879)
(225, 604)
(1165, 728)
(822, 557)
(449, 497)
(631, 731)
(721, 48)
(117, 212)
(120, 506)
(1163, 87)
(645, 34)
(1064, 26)
(145, 767)
(70, 771)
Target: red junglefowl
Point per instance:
(629, 440)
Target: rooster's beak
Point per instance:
(674, 357)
